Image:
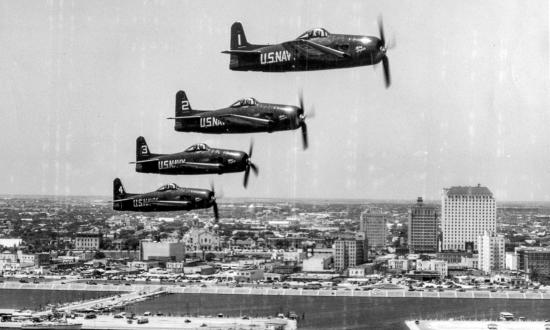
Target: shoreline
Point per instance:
(73, 286)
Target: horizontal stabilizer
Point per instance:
(241, 52)
(144, 161)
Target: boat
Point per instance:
(52, 325)
(505, 316)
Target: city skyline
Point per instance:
(468, 102)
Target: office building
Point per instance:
(466, 213)
(350, 252)
(422, 231)
(534, 261)
(491, 256)
(374, 225)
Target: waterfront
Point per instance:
(344, 312)
(313, 312)
(37, 299)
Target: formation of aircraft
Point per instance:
(169, 197)
(196, 159)
(246, 115)
(315, 49)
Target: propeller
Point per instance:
(302, 120)
(214, 203)
(383, 49)
(250, 165)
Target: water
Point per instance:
(344, 312)
(318, 312)
(36, 299)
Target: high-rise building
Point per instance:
(466, 213)
(422, 231)
(374, 225)
(349, 252)
(491, 256)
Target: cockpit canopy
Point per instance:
(197, 147)
(170, 186)
(247, 101)
(314, 33)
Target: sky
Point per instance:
(469, 100)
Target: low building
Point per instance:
(399, 265)
(242, 275)
(317, 263)
(534, 261)
(198, 239)
(88, 241)
(10, 242)
(361, 270)
(438, 266)
(169, 251)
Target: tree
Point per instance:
(99, 255)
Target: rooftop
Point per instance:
(468, 191)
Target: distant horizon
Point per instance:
(221, 200)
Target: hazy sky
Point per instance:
(469, 103)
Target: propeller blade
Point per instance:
(216, 214)
(304, 135)
(251, 148)
(387, 75)
(246, 174)
(301, 100)
(381, 30)
(255, 169)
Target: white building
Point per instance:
(174, 251)
(511, 261)
(439, 266)
(317, 263)
(10, 242)
(198, 239)
(491, 252)
(466, 213)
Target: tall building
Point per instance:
(374, 225)
(422, 232)
(350, 252)
(491, 256)
(466, 213)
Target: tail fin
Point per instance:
(238, 38)
(118, 189)
(183, 107)
(142, 150)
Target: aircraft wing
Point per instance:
(308, 48)
(240, 119)
(183, 117)
(200, 166)
(171, 203)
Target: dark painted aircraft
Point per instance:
(244, 116)
(315, 49)
(197, 159)
(169, 197)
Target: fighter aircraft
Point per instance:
(169, 197)
(247, 115)
(315, 49)
(197, 159)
